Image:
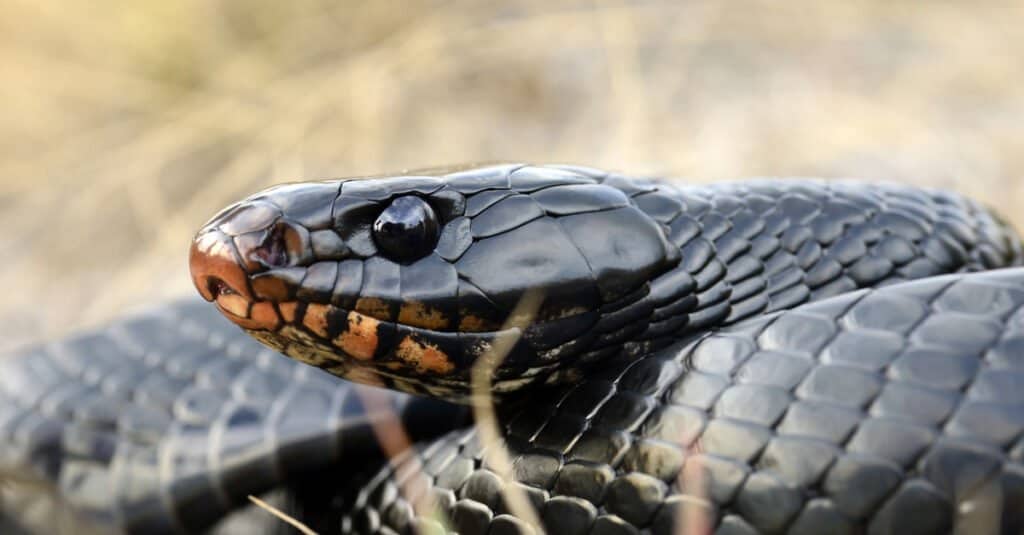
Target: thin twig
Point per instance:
(483, 404)
(394, 440)
(282, 515)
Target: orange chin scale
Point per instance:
(315, 319)
(360, 339)
(425, 357)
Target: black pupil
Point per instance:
(407, 229)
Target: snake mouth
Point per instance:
(230, 303)
(345, 340)
(218, 275)
(227, 299)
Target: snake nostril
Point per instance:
(272, 252)
(218, 287)
(284, 244)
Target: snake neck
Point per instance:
(761, 246)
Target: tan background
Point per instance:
(125, 124)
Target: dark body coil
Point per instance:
(894, 410)
(764, 356)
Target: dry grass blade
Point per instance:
(394, 441)
(693, 516)
(282, 515)
(121, 133)
(483, 404)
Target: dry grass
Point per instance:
(126, 124)
(281, 515)
(484, 414)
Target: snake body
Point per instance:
(762, 356)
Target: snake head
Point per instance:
(407, 281)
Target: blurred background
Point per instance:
(125, 125)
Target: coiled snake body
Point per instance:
(764, 356)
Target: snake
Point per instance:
(755, 356)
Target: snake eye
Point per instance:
(407, 229)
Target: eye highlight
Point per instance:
(407, 229)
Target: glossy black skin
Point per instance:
(889, 411)
(893, 410)
(584, 245)
(482, 215)
(623, 264)
(166, 420)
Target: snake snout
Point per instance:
(220, 276)
(216, 268)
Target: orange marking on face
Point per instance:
(288, 311)
(234, 305)
(373, 306)
(418, 314)
(360, 338)
(470, 323)
(264, 314)
(262, 320)
(246, 323)
(424, 356)
(270, 288)
(315, 318)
